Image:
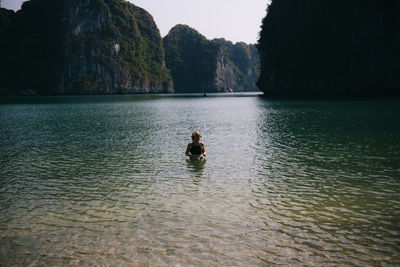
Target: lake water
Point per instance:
(104, 180)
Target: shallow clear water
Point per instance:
(104, 180)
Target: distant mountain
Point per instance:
(319, 47)
(201, 65)
(81, 47)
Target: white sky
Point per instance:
(234, 20)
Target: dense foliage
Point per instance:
(139, 59)
(330, 47)
(190, 57)
(244, 60)
(112, 46)
(83, 46)
(197, 64)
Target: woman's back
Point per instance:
(196, 149)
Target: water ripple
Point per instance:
(99, 182)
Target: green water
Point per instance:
(104, 180)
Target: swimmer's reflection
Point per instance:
(196, 166)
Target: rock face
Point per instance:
(201, 65)
(330, 48)
(88, 47)
(113, 47)
(244, 60)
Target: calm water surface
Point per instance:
(104, 180)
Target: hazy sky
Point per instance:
(234, 20)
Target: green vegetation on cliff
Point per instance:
(201, 65)
(125, 46)
(244, 60)
(112, 46)
(190, 57)
(83, 47)
(330, 47)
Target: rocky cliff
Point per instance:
(201, 65)
(243, 59)
(330, 48)
(87, 47)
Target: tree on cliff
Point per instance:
(330, 47)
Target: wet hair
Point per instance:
(196, 135)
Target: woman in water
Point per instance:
(196, 149)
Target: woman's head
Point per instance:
(196, 136)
